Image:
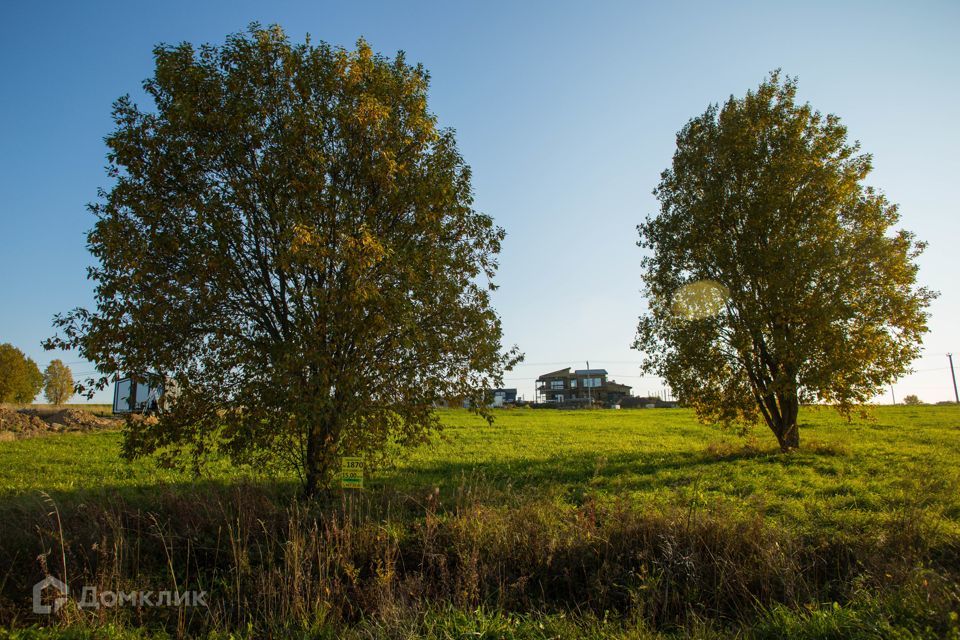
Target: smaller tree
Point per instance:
(57, 382)
(776, 275)
(20, 378)
(912, 400)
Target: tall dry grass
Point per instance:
(270, 563)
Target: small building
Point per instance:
(492, 397)
(145, 393)
(582, 387)
(500, 397)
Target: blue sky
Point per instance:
(567, 113)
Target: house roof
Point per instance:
(558, 372)
(591, 372)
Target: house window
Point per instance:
(556, 384)
(573, 383)
(591, 382)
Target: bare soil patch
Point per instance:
(29, 422)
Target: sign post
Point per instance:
(351, 473)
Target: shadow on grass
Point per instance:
(628, 471)
(400, 491)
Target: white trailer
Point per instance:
(140, 394)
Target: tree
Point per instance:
(912, 400)
(291, 239)
(775, 277)
(57, 382)
(20, 378)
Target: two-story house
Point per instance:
(580, 387)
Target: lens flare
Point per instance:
(699, 300)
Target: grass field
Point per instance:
(848, 474)
(869, 511)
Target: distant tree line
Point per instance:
(20, 378)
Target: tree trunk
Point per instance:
(789, 437)
(787, 431)
(312, 463)
(321, 449)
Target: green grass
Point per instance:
(848, 475)
(851, 471)
(855, 535)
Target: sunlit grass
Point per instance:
(848, 475)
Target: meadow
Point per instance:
(631, 523)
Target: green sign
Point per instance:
(351, 474)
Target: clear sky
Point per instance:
(566, 111)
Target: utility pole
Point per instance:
(589, 390)
(892, 395)
(956, 398)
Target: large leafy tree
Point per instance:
(291, 239)
(775, 275)
(57, 382)
(20, 378)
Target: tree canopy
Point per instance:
(775, 275)
(290, 237)
(57, 382)
(20, 378)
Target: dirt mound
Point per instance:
(16, 424)
(75, 418)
